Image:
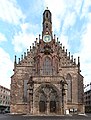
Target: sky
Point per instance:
(21, 23)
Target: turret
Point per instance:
(15, 62)
(79, 65)
(47, 23)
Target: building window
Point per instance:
(69, 88)
(46, 25)
(25, 90)
(47, 15)
(38, 66)
(3, 96)
(47, 66)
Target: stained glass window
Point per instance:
(47, 66)
(25, 90)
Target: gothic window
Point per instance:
(69, 88)
(47, 66)
(53, 99)
(47, 15)
(38, 66)
(46, 25)
(42, 106)
(25, 90)
(42, 97)
(56, 65)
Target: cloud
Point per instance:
(73, 18)
(10, 12)
(58, 9)
(64, 40)
(85, 53)
(64, 17)
(85, 46)
(64, 13)
(2, 38)
(6, 68)
(22, 41)
(24, 38)
(85, 9)
(70, 19)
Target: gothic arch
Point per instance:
(42, 102)
(47, 95)
(38, 89)
(56, 64)
(47, 66)
(69, 87)
(38, 60)
(47, 15)
(44, 56)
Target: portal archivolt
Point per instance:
(47, 99)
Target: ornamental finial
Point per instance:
(47, 8)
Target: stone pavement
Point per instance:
(27, 117)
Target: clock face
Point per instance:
(46, 38)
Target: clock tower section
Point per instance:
(47, 26)
(47, 57)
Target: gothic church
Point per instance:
(47, 79)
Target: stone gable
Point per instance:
(47, 79)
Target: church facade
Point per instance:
(46, 80)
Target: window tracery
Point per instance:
(47, 66)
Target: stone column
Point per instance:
(65, 97)
(30, 89)
(64, 88)
(31, 102)
(48, 106)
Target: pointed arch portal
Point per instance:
(42, 103)
(47, 99)
(52, 106)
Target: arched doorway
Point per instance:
(52, 106)
(47, 99)
(42, 102)
(53, 101)
(42, 106)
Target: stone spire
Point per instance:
(47, 22)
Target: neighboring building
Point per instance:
(47, 81)
(87, 97)
(4, 98)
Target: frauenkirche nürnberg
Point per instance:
(47, 80)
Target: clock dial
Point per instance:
(46, 38)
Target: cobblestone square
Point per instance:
(26, 117)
